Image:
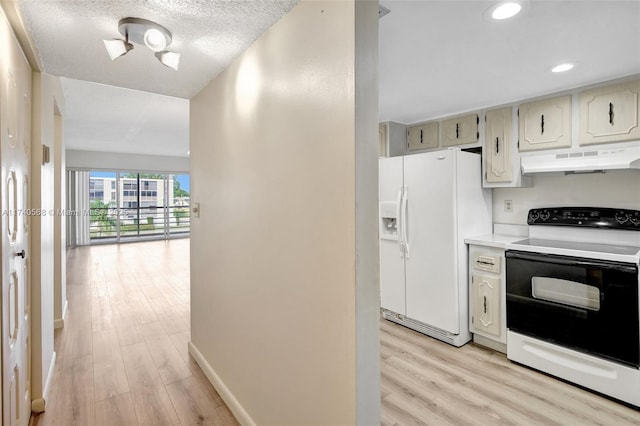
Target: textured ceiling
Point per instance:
(102, 114)
(207, 33)
(112, 119)
(442, 57)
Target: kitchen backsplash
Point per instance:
(612, 189)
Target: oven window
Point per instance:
(566, 292)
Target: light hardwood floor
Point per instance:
(122, 360)
(122, 356)
(425, 381)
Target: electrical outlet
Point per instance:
(508, 206)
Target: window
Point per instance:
(134, 205)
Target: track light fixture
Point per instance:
(142, 31)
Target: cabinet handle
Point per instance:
(497, 145)
(485, 304)
(611, 114)
(458, 130)
(542, 124)
(420, 135)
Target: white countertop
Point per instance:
(494, 240)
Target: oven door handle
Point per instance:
(572, 261)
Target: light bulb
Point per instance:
(117, 48)
(155, 40)
(169, 59)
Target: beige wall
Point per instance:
(47, 96)
(276, 263)
(617, 188)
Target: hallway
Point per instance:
(122, 356)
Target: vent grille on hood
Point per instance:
(582, 161)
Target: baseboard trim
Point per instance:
(59, 323)
(234, 405)
(39, 405)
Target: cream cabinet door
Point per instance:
(545, 124)
(423, 136)
(497, 145)
(460, 130)
(485, 300)
(610, 114)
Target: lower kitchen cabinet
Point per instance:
(487, 303)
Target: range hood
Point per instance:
(582, 161)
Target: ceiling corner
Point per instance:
(13, 15)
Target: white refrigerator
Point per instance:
(429, 203)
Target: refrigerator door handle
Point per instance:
(399, 221)
(405, 220)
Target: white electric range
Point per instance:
(573, 300)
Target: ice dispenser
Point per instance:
(389, 218)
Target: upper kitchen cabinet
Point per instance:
(497, 145)
(610, 114)
(460, 130)
(500, 156)
(392, 139)
(422, 136)
(545, 124)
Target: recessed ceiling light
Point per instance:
(562, 68)
(506, 10)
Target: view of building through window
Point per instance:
(126, 205)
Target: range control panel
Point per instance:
(591, 217)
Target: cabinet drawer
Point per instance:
(484, 262)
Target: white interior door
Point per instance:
(432, 287)
(392, 285)
(15, 130)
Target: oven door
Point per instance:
(585, 304)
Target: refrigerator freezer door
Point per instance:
(392, 283)
(431, 278)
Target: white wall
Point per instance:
(618, 189)
(47, 95)
(283, 256)
(94, 160)
(59, 224)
